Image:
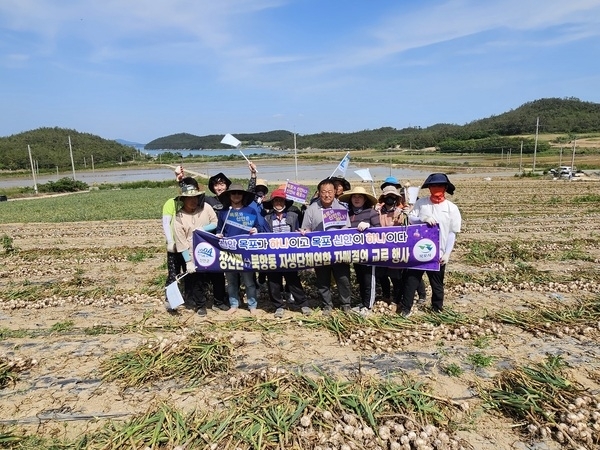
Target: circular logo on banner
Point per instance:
(205, 254)
(424, 250)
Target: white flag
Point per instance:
(365, 174)
(230, 140)
(174, 295)
(344, 163)
(413, 193)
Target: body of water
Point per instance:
(275, 172)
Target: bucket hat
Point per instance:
(218, 177)
(189, 188)
(439, 178)
(345, 183)
(387, 191)
(391, 181)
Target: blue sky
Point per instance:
(143, 69)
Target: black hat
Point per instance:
(439, 178)
(218, 177)
(345, 183)
(224, 197)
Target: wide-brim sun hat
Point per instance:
(189, 190)
(345, 183)
(213, 180)
(439, 178)
(391, 181)
(387, 191)
(277, 193)
(248, 196)
(345, 197)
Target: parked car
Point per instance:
(563, 171)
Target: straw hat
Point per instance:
(262, 183)
(345, 197)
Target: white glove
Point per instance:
(444, 258)
(190, 267)
(363, 226)
(171, 247)
(429, 221)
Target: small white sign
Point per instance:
(413, 193)
(174, 295)
(230, 140)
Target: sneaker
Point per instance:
(406, 313)
(326, 311)
(221, 307)
(421, 301)
(346, 308)
(279, 313)
(201, 311)
(306, 311)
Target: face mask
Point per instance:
(437, 194)
(389, 201)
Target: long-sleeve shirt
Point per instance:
(446, 214)
(186, 223)
(368, 215)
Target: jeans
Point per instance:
(233, 288)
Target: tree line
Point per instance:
(567, 116)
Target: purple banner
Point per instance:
(414, 246)
(296, 192)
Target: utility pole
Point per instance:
(295, 155)
(32, 170)
(573, 157)
(72, 162)
(521, 160)
(537, 126)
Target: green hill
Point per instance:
(188, 141)
(50, 149)
(563, 116)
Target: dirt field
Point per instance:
(539, 247)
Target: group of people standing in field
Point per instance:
(193, 209)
